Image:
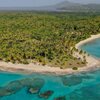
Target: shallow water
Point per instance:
(81, 86)
(93, 48)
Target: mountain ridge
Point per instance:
(65, 6)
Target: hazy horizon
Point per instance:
(37, 3)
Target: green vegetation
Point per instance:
(46, 38)
(75, 68)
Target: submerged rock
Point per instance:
(15, 85)
(72, 80)
(60, 98)
(33, 84)
(46, 94)
(11, 88)
(32, 81)
(34, 90)
(36, 86)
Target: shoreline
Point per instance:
(31, 68)
(93, 37)
(90, 59)
(92, 64)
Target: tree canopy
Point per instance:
(44, 37)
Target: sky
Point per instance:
(35, 3)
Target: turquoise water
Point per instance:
(81, 86)
(93, 48)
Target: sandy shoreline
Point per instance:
(30, 68)
(90, 60)
(92, 63)
(93, 37)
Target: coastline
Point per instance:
(92, 64)
(93, 37)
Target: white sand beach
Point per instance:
(87, 40)
(92, 63)
(90, 60)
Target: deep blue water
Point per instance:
(81, 86)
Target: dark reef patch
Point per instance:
(33, 85)
(60, 98)
(46, 94)
(75, 79)
(71, 81)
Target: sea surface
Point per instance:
(92, 48)
(80, 86)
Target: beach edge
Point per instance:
(92, 64)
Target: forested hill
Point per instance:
(75, 7)
(67, 6)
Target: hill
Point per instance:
(64, 6)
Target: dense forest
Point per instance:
(44, 37)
